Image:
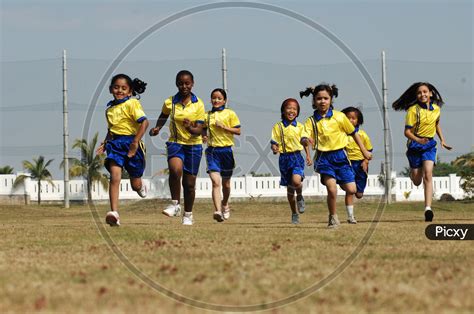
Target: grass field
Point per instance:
(56, 260)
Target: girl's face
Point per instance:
(217, 99)
(352, 116)
(120, 89)
(423, 94)
(185, 84)
(322, 101)
(291, 111)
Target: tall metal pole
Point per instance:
(386, 132)
(65, 135)
(224, 70)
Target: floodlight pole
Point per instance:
(65, 135)
(386, 132)
(224, 70)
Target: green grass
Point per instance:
(56, 260)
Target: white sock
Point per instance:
(427, 208)
(350, 210)
(175, 202)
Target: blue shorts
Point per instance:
(189, 154)
(290, 164)
(220, 159)
(334, 164)
(417, 153)
(117, 150)
(360, 175)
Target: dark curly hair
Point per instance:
(408, 98)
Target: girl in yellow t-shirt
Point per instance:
(221, 125)
(422, 102)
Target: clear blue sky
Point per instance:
(271, 57)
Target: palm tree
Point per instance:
(89, 166)
(6, 170)
(37, 170)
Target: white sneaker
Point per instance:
(351, 220)
(188, 219)
(226, 212)
(172, 210)
(142, 192)
(113, 218)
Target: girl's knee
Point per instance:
(359, 194)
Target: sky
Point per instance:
(270, 57)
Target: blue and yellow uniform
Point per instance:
(356, 157)
(219, 155)
(422, 120)
(124, 118)
(329, 134)
(181, 143)
(287, 135)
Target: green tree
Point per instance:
(6, 170)
(38, 169)
(444, 169)
(465, 164)
(89, 166)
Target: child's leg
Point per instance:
(359, 195)
(291, 198)
(349, 199)
(175, 166)
(428, 182)
(416, 176)
(297, 185)
(189, 188)
(136, 184)
(331, 187)
(225, 191)
(216, 189)
(114, 187)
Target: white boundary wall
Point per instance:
(242, 187)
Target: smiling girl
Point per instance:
(422, 102)
(286, 138)
(184, 146)
(221, 125)
(126, 125)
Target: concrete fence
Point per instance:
(242, 187)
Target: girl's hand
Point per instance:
(365, 165)
(204, 139)
(422, 140)
(187, 123)
(133, 149)
(101, 149)
(367, 155)
(309, 160)
(443, 144)
(275, 149)
(154, 131)
(219, 124)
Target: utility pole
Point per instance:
(386, 133)
(65, 134)
(224, 70)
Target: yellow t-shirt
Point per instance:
(177, 111)
(329, 132)
(217, 137)
(125, 117)
(422, 119)
(288, 136)
(353, 150)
